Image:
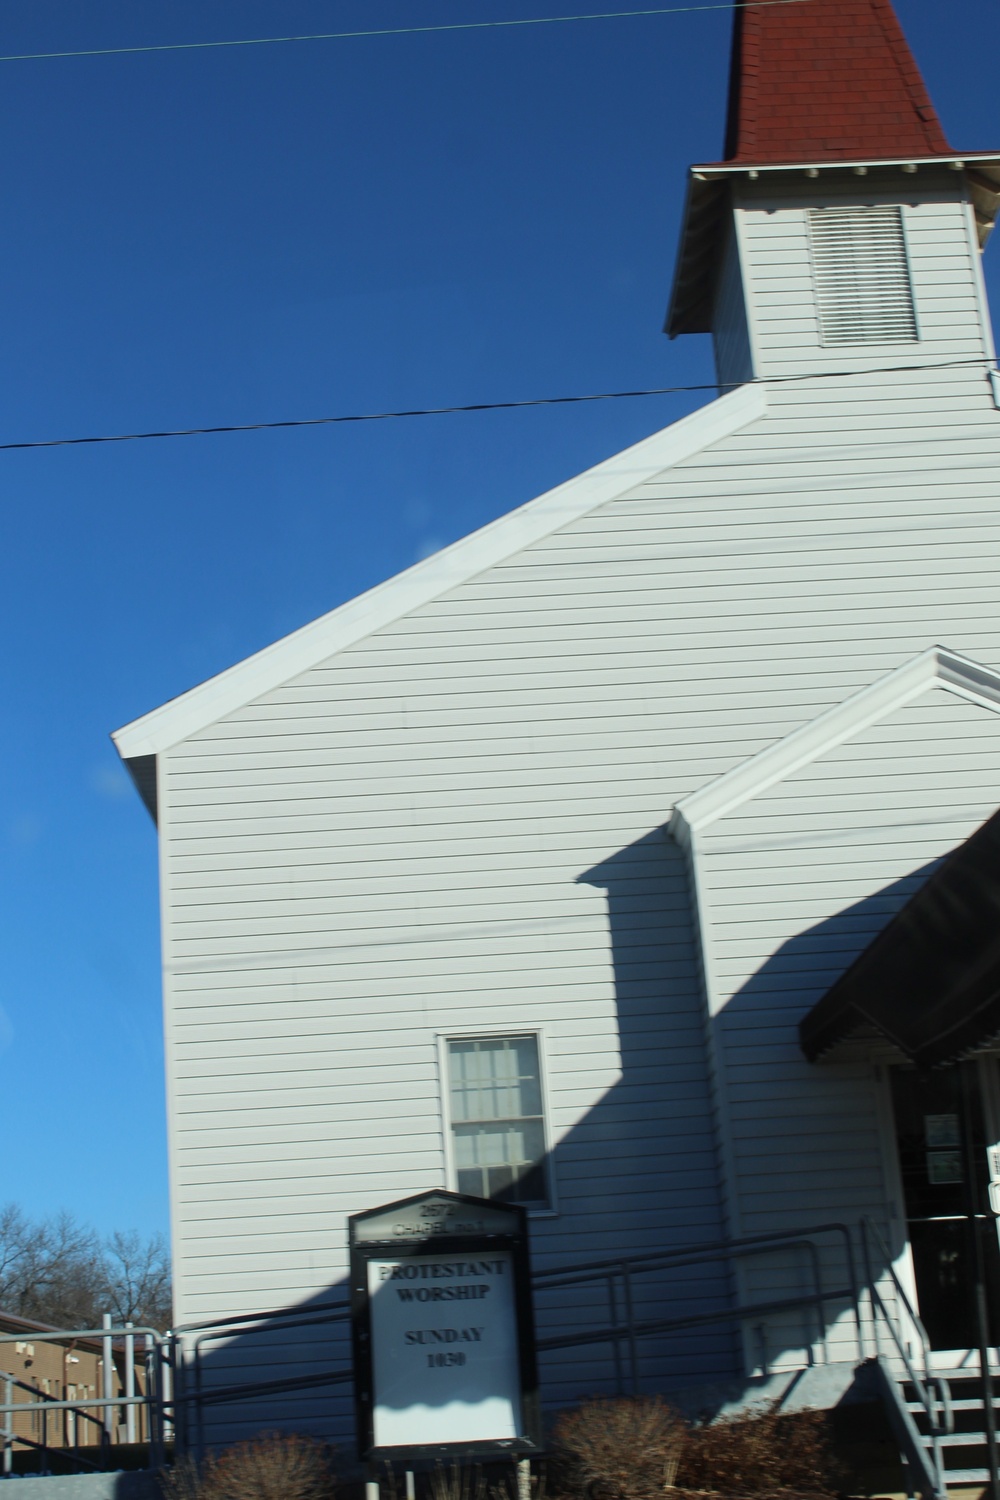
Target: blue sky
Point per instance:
(258, 233)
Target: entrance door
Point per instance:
(939, 1186)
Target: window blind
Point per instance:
(863, 291)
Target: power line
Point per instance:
(441, 411)
(340, 36)
(375, 416)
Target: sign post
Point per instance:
(443, 1332)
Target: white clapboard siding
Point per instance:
(781, 935)
(833, 283)
(457, 824)
(763, 693)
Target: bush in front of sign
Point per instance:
(272, 1466)
(620, 1448)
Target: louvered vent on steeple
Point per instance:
(861, 275)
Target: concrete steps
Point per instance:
(964, 1453)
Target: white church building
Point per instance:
(621, 860)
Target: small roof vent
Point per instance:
(861, 275)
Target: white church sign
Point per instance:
(444, 1360)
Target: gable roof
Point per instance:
(193, 711)
(935, 668)
(826, 80)
(847, 1008)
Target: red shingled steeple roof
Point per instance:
(826, 80)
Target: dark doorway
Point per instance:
(942, 1141)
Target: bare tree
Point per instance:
(138, 1278)
(15, 1234)
(63, 1273)
(60, 1272)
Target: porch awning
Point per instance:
(929, 985)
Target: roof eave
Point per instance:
(693, 291)
(955, 160)
(981, 169)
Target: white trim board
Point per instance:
(193, 711)
(935, 667)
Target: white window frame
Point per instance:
(484, 1033)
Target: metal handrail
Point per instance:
(219, 1395)
(725, 1250)
(933, 1392)
(692, 1320)
(180, 1353)
(66, 1455)
(704, 1249)
(11, 1409)
(60, 1335)
(257, 1317)
(191, 1396)
(871, 1231)
(45, 1399)
(152, 1398)
(324, 1312)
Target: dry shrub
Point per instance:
(760, 1452)
(626, 1448)
(182, 1481)
(273, 1466)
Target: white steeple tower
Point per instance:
(842, 231)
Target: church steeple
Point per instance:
(833, 152)
(815, 82)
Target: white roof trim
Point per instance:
(936, 667)
(203, 705)
(718, 169)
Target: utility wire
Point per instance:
(340, 36)
(441, 411)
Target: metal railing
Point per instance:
(153, 1399)
(622, 1278)
(192, 1395)
(932, 1391)
(620, 1275)
(40, 1406)
(182, 1383)
(883, 1321)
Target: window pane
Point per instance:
(464, 1062)
(472, 1182)
(494, 1079)
(528, 1188)
(525, 1049)
(496, 1115)
(501, 1182)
